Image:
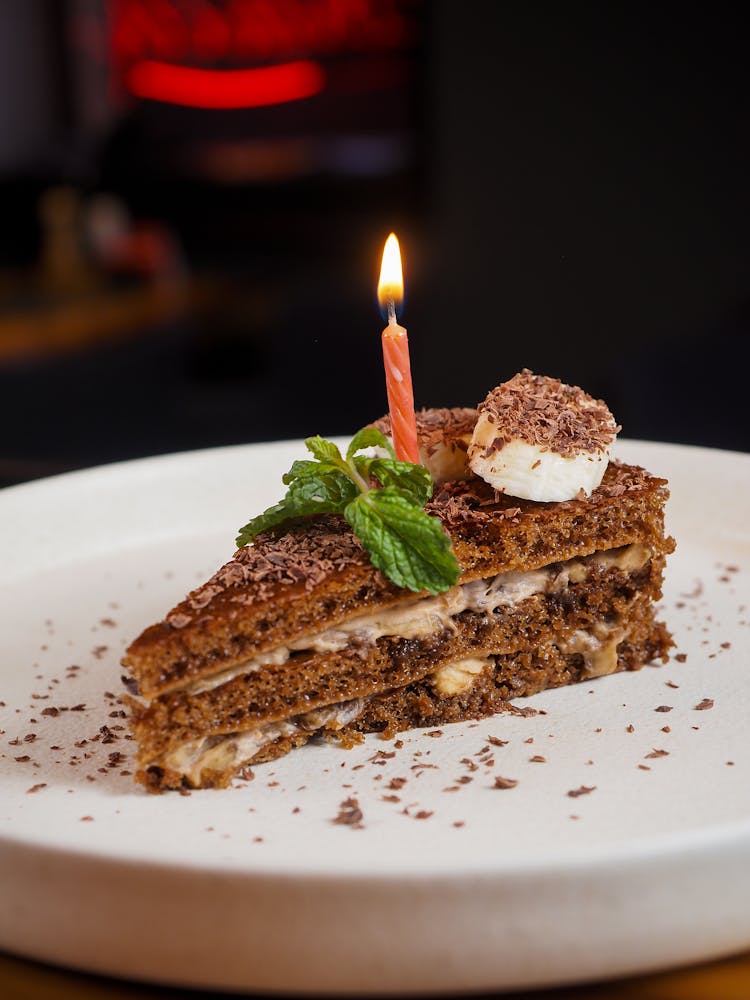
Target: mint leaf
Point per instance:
(307, 467)
(275, 515)
(412, 480)
(368, 437)
(327, 492)
(324, 451)
(333, 489)
(409, 546)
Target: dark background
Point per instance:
(570, 188)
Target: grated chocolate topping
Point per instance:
(548, 413)
(300, 554)
(439, 426)
(470, 500)
(475, 500)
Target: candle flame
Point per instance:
(391, 284)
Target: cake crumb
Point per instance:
(705, 704)
(503, 783)
(574, 793)
(349, 814)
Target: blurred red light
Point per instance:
(231, 88)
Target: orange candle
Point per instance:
(396, 356)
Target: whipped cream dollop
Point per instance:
(539, 439)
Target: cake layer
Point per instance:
(568, 596)
(470, 688)
(571, 600)
(315, 576)
(514, 675)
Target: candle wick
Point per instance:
(391, 313)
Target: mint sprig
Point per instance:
(408, 545)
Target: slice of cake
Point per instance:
(301, 635)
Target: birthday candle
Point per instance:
(396, 356)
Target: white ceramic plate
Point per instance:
(469, 888)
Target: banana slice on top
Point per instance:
(539, 439)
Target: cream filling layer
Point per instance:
(228, 753)
(427, 616)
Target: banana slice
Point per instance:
(444, 436)
(539, 439)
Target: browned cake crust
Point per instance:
(317, 574)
